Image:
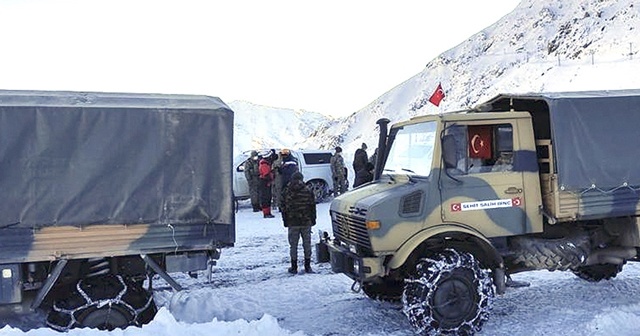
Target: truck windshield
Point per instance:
(412, 150)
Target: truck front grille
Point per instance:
(351, 230)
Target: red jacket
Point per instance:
(264, 167)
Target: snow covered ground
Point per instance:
(252, 294)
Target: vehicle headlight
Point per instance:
(352, 248)
(356, 267)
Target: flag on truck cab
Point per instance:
(437, 95)
(480, 142)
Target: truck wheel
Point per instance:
(449, 294)
(320, 190)
(385, 291)
(105, 302)
(595, 273)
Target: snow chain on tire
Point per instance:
(65, 314)
(459, 271)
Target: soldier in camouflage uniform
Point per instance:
(252, 175)
(299, 215)
(339, 172)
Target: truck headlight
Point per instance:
(356, 267)
(352, 248)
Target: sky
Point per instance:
(333, 57)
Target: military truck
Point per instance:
(462, 200)
(101, 192)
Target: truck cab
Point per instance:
(473, 174)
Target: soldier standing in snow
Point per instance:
(338, 170)
(360, 159)
(253, 179)
(287, 168)
(283, 167)
(298, 206)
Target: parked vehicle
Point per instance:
(100, 191)
(460, 201)
(313, 164)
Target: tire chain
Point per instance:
(431, 271)
(99, 303)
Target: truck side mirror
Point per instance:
(449, 151)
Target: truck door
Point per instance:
(486, 189)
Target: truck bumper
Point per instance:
(357, 268)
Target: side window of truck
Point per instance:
(483, 148)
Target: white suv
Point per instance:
(314, 165)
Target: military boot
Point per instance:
(307, 266)
(294, 267)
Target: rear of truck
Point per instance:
(106, 190)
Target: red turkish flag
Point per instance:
(437, 95)
(480, 142)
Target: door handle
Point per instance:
(513, 190)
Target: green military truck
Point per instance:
(101, 191)
(462, 200)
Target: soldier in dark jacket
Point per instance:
(253, 179)
(299, 215)
(360, 159)
(283, 167)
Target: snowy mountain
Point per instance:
(543, 45)
(257, 126)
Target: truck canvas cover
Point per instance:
(595, 134)
(75, 159)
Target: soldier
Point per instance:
(365, 175)
(276, 187)
(283, 167)
(298, 216)
(360, 159)
(252, 175)
(338, 171)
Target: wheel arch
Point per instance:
(317, 179)
(437, 238)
